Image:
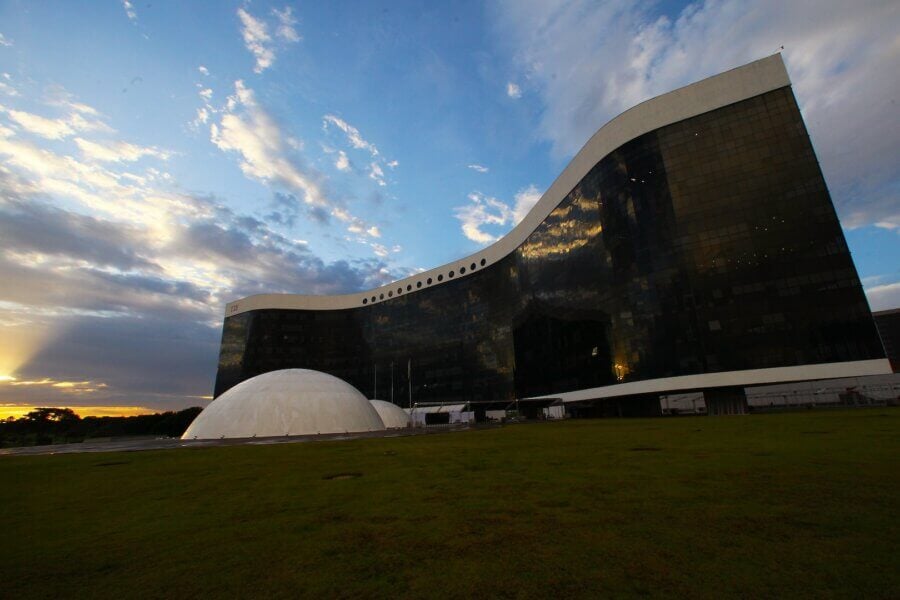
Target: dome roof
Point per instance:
(286, 402)
(393, 416)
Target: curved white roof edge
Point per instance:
(709, 94)
(743, 378)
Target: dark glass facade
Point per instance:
(888, 324)
(707, 245)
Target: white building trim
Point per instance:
(704, 96)
(857, 368)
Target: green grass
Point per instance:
(801, 504)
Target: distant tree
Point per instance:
(61, 425)
(44, 414)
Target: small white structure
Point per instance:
(286, 402)
(393, 416)
(440, 414)
(556, 411)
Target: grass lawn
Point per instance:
(800, 504)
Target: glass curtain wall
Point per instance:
(707, 245)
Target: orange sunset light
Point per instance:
(20, 410)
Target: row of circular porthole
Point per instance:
(429, 281)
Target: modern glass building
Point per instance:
(690, 245)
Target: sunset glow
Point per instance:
(17, 411)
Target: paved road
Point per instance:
(138, 444)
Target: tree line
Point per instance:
(47, 425)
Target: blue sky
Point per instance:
(160, 159)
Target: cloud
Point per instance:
(129, 10)
(117, 151)
(205, 111)
(479, 168)
(203, 70)
(33, 227)
(4, 41)
(52, 129)
(376, 173)
(59, 128)
(356, 140)
(259, 42)
(246, 128)
(482, 211)
(202, 117)
(342, 163)
(8, 90)
(884, 297)
(256, 40)
(513, 90)
(353, 136)
(123, 319)
(525, 199)
(838, 56)
(286, 22)
(127, 277)
(486, 211)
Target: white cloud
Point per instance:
(356, 140)
(841, 57)
(376, 173)
(286, 22)
(4, 41)
(353, 136)
(203, 70)
(479, 168)
(202, 117)
(246, 128)
(118, 151)
(52, 129)
(256, 40)
(486, 211)
(259, 42)
(513, 90)
(7, 89)
(342, 163)
(525, 199)
(126, 197)
(129, 10)
(59, 128)
(205, 111)
(355, 224)
(257, 138)
(884, 297)
(482, 211)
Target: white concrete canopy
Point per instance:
(393, 416)
(286, 402)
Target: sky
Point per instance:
(158, 160)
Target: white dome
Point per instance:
(393, 416)
(286, 402)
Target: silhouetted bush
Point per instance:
(61, 425)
